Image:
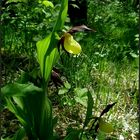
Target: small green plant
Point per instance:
(92, 126)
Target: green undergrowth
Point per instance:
(108, 81)
(106, 69)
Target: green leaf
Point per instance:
(101, 135)
(81, 91)
(67, 85)
(81, 96)
(89, 109)
(20, 134)
(34, 111)
(46, 124)
(62, 16)
(47, 55)
(24, 78)
(47, 50)
(73, 135)
(17, 111)
(82, 101)
(104, 126)
(16, 89)
(62, 91)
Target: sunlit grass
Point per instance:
(108, 82)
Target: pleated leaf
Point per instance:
(47, 55)
(16, 89)
(47, 50)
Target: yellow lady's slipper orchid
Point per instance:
(70, 45)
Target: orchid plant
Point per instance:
(30, 103)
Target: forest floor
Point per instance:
(123, 116)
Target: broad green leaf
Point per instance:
(46, 124)
(38, 111)
(47, 55)
(18, 90)
(34, 111)
(104, 126)
(17, 111)
(42, 47)
(47, 50)
(19, 102)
